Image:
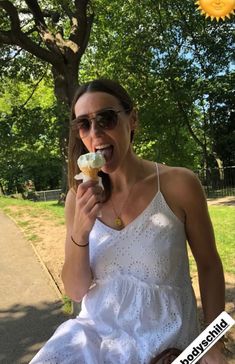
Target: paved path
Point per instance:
(30, 307)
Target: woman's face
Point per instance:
(113, 143)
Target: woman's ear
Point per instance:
(134, 119)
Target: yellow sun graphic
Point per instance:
(216, 8)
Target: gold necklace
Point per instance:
(118, 220)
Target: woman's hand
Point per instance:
(88, 204)
(213, 356)
(80, 213)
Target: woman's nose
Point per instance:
(95, 128)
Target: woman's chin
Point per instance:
(109, 165)
(107, 169)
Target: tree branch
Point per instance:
(34, 89)
(186, 120)
(6, 37)
(81, 21)
(9, 59)
(21, 40)
(12, 12)
(87, 34)
(54, 15)
(43, 30)
(17, 37)
(65, 6)
(37, 13)
(81, 4)
(82, 25)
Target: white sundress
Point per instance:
(142, 300)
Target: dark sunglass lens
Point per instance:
(107, 119)
(83, 126)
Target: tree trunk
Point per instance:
(2, 192)
(220, 166)
(63, 53)
(65, 85)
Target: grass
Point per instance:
(33, 238)
(34, 209)
(223, 220)
(24, 223)
(67, 305)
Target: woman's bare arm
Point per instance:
(81, 210)
(202, 242)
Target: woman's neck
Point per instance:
(128, 173)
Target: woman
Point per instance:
(125, 252)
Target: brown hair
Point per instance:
(76, 146)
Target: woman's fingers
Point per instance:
(92, 201)
(86, 190)
(83, 187)
(96, 209)
(89, 194)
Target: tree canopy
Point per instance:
(174, 62)
(177, 65)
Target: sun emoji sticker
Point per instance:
(216, 8)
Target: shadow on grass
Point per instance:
(220, 201)
(56, 204)
(24, 329)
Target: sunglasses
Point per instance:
(106, 119)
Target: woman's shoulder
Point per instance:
(171, 175)
(181, 183)
(166, 168)
(181, 174)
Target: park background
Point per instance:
(178, 66)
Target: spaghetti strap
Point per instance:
(158, 178)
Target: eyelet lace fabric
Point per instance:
(142, 300)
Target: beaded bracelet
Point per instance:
(80, 245)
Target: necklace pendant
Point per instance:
(118, 222)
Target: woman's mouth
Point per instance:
(106, 150)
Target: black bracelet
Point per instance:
(80, 245)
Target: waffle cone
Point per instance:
(92, 173)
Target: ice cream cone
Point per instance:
(90, 164)
(91, 173)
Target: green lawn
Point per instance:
(223, 219)
(35, 208)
